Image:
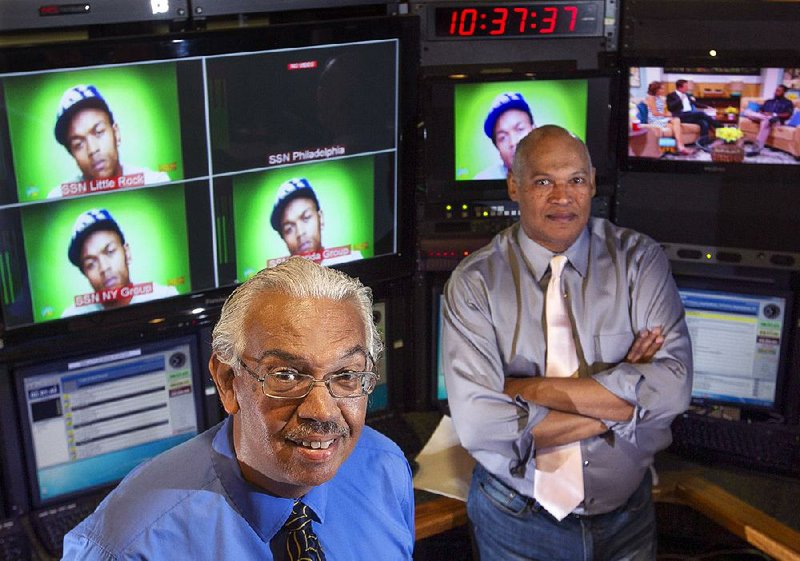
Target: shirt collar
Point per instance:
(265, 513)
(539, 257)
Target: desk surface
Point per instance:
(759, 507)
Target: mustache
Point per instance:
(318, 428)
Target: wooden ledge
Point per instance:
(439, 515)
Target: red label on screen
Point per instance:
(304, 65)
(112, 294)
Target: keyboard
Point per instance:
(766, 446)
(50, 525)
(14, 542)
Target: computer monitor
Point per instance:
(379, 398)
(739, 345)
(88, 420)
(440, 389)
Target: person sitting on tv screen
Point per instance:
(509, 121)
(772, 111)
(85, 126)
(292, 472)
(298, 219)
(684, 105)
(99, 250)
(658, 115)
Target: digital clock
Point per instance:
(529, 19)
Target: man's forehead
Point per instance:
(554, 149)
(106, 235)
(314, 330)
(92, 114)
(299, 203)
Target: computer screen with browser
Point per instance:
(88, 420)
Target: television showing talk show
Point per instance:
(142, 170)
(738, 118)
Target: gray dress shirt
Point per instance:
(618, 282)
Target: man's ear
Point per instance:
(223, 376)
(511, 183)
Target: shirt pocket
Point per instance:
(611, 348)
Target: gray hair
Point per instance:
(528, 145)
(300, 278)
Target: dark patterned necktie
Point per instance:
(301, 541)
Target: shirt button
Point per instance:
(585, 463)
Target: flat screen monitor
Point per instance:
(440, 389)
(88, 420)
(379, 399)
(152, 168)
(729, 99)
(739, 345)
(474, 122)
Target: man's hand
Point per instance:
(645, 346)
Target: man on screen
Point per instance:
(99, 250)
(683, 105)
(298, 219)
(771, 112)
(85, 126)
(509, 121)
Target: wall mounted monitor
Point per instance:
(729, 100)
(88, 420)
(475, 120)
(740, 338)
(379, 399)
(153, 168)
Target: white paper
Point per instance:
(445, 468)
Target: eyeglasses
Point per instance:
(288, 384)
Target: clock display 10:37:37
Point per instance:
(519, 20)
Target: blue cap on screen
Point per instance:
(501, 104)
(293, 189)
(74, 99)
(87, 223)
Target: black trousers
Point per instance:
(697, 118)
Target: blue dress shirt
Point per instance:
(617, 282)
(191, 502)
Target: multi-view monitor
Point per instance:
(190, 164)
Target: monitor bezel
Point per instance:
(177, 46)
(27, 369)
(439, 83)
(695, 60)
(755, 289)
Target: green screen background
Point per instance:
(143, 99)
(345, 189)
(552, 102)
(153, 221)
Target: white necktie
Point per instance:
(558, 483)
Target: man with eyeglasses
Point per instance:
(292, 473)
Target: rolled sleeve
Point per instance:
(494, 428)
(661, 389)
